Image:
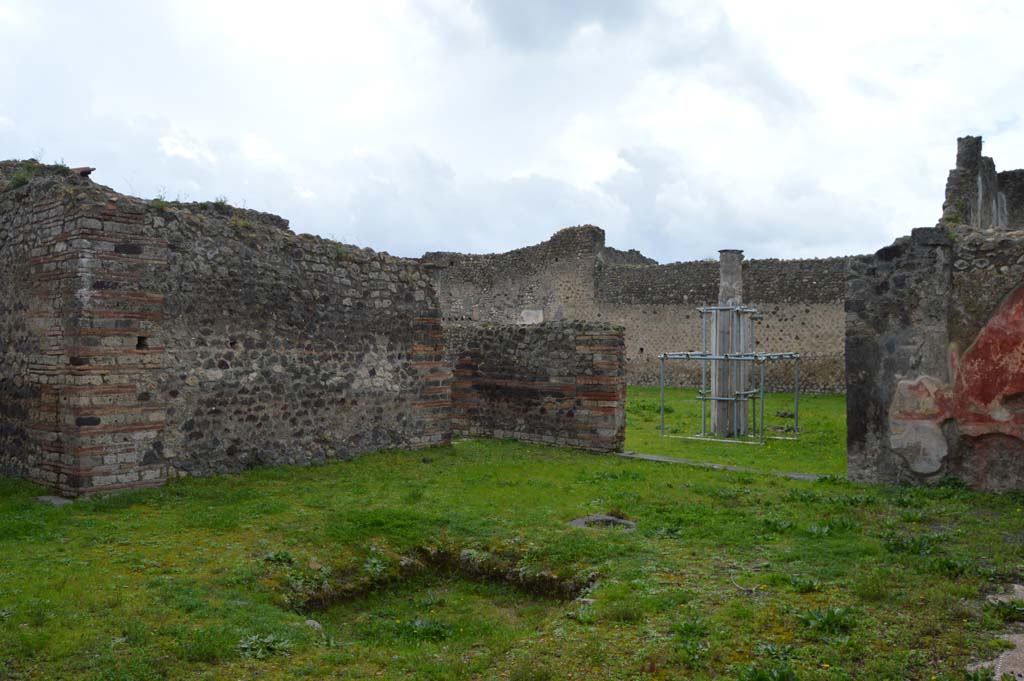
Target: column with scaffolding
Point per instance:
(732, 382)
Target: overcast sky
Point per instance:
(785, 129)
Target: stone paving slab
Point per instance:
(717, 466)
(1010, 663)
(53, 501)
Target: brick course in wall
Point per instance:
(144, 340)
(558, 383)
(36, 291)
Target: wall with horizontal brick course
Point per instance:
(37, 284)
(561, 383)
(145, 340)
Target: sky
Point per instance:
(787, 129)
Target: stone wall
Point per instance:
(560, 383)
(575, 276)
(36, 302)
(144, 340)
(979, 197)
(935, 358)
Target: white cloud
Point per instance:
(9, 14)
(6, 122)
(681, 127)
(262, 151)
(184, 147)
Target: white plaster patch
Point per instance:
(1000, 413)
(531, 316)
(921, 443)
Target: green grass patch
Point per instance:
(446, 565)
(821, 447)
(434, 627)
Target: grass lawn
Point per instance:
(821, 447)
(458, 563)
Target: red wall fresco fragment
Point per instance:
(989, 378)
(987, 396)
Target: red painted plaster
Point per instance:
(987, 395)
(990, 374)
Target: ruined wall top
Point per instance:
(977, 195)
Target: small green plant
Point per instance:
(804, 585)
(1008, 611)
(282, 557)
(584, 614)
(530, 671)
(830, 620)
(822, 530)
(781, 672)
(952, 567)
(912, 516)
(239, 223)
(209, 645)
(622, 611)
(19, 178)
(421, 629)
(873, 586)
(262, 647)
(921, 545)
(692, 653)
(776, 524)
(775, 651)
(374, 566)
(690, 629)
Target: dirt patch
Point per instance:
(601, 520)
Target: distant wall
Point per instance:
(574, 275)
(800, 302)
(556, 383)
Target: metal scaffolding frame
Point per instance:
(738, 364)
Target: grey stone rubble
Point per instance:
(51, 500)
(717, 466)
